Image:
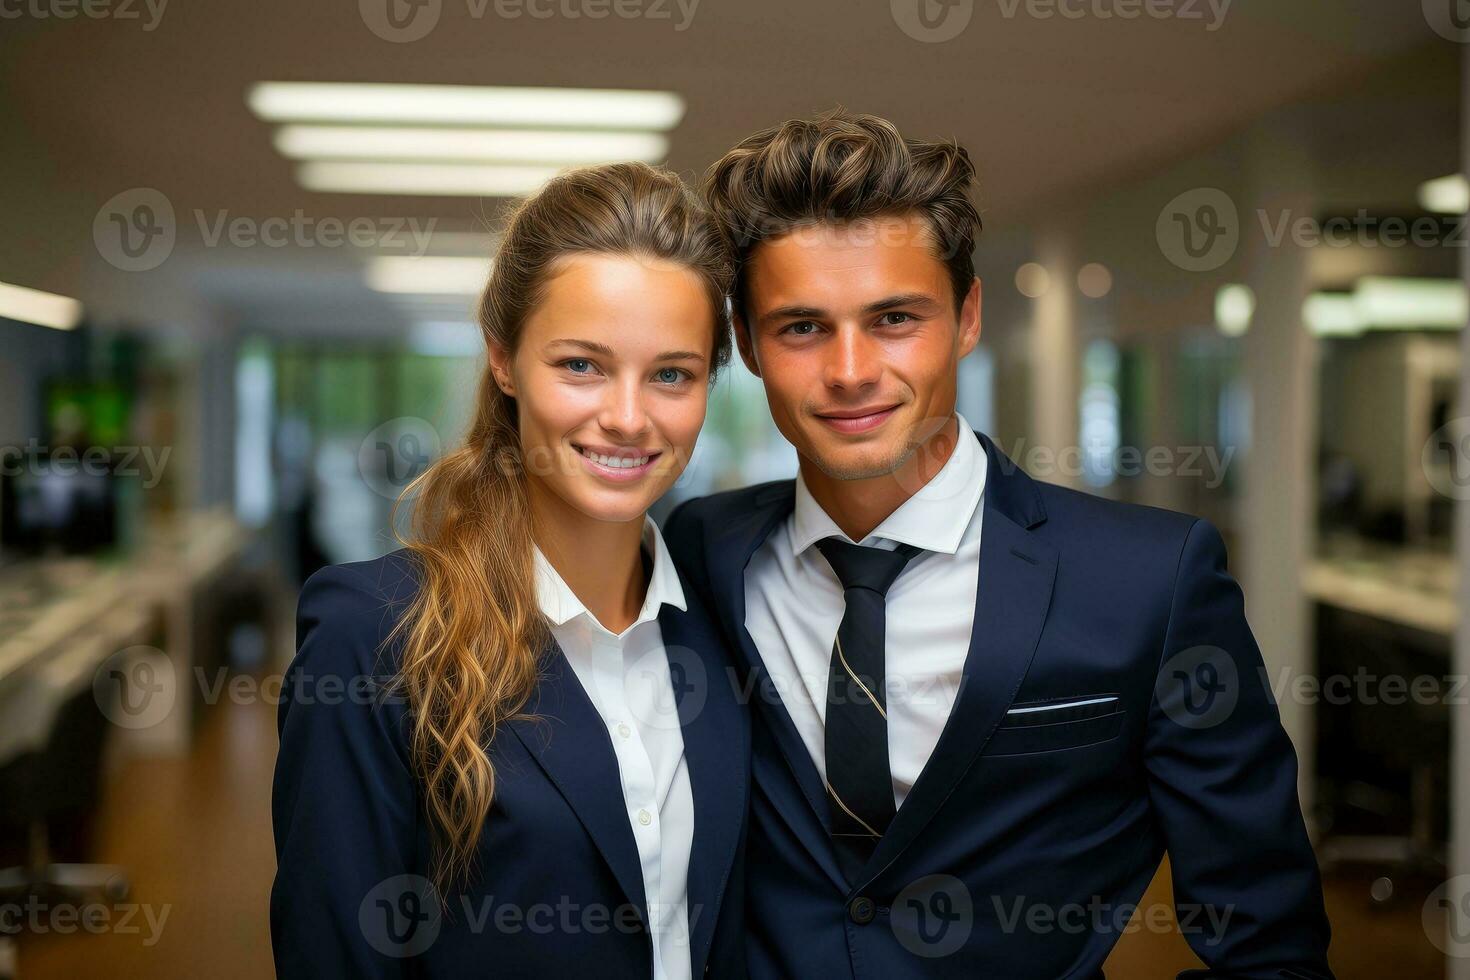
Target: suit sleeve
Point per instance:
(343, 805)
(1223, 787)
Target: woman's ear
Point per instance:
(500, 367)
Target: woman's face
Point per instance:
(611, 379)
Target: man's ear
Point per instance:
(970, 318)
(500, 367)
(744, 345)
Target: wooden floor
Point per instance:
(195, 836)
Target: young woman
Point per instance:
(511, 749)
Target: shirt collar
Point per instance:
(934, 518)
(560, 604)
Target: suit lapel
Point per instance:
(713, 749)
(1017, 574)
(568, 739)
(727, 553)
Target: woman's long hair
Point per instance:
(473, 634)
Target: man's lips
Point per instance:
(850, 420)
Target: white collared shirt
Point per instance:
(794, 604)
(626, 676)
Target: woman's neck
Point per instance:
(600, 561)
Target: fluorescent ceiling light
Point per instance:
(1382, 303)
(1234, 306)
(42, 309)
(1411, 303)
(486, 145)
(1332, 315)
(1446, 195)
(449, 179)
(428, 275)
(465, 105)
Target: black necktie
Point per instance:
(859, 781)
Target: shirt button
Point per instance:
(624, 730)
(645, 818)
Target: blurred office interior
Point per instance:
(1224, 272)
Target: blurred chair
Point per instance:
(51, 751)
(1385, 766)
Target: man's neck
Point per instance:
(859, 506)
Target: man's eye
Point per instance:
(803, 328)
(670, 376)
(894, 319)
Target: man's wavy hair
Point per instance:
(839, 168)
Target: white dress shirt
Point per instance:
(794, 604)
(626, 676)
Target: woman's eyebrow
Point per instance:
(680, 355)
(587, 345)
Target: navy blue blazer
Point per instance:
(560, 888)
(1028, 837)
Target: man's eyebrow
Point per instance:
(887, 303)
(791, 313)
(903, 299)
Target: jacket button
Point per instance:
(862, 910)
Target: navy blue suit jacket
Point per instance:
(560, 888)
(1028, 837)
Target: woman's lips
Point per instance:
(849, 423)
(620, 465)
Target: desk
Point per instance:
(49, 603)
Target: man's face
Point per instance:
(853, 329)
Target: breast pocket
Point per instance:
(1056, 724)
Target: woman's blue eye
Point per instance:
(670, 376)
(579, 365)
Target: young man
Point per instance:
(986, 706)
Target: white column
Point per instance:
(1276, 508)
(1055, 366)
